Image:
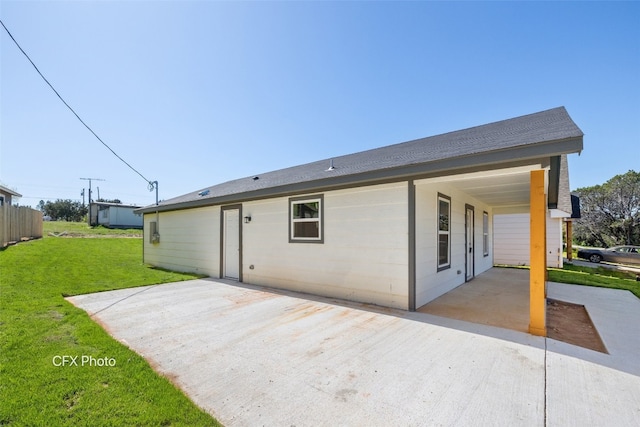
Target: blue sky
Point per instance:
(197, 93)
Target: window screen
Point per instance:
(306, 219)
(444, 232)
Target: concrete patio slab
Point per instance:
(254, 356)
(497, 297)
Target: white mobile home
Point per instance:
(396, 226)
(114, 215)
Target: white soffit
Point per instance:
(558, 213)
(507, 187)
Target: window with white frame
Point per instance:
(444, 232)
(306, 219)
(485, 233)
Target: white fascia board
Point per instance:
(558, 213)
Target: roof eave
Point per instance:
(446, 166)
(10, 192)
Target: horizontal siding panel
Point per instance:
(189, 241)
(430, 283)
(511, 240)
(363, 257)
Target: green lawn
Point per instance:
(591, 276)
(37, 327)
(82, 229)
(599, 276)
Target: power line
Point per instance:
(149, 182)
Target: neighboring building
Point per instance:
(511, 240)
(396, 226)
(114, 215)
(511, 228)
(7, 195)
(17, 223)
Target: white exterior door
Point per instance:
(231, 244)
(470, 250)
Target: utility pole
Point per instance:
(92, 179)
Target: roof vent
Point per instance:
(331, 167)
(255, 178)
(203, 192)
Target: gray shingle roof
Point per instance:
(553, 125)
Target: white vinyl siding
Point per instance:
(189, 241)
(119, 216)
(511, 240)
(431, 283)
(365, 252)
(365, 255)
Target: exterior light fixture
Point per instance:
(247, 219)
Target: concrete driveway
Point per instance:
(255, 356)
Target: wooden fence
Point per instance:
(19, 223)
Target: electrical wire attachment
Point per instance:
(152, 184)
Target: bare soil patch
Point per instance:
(571, 323)
(68, 235)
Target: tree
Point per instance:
(610, 212)
(64, 210)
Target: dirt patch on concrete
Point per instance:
(571, 323)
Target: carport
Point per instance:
(525, 189)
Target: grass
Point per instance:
(37, 324)
(590, 276)
(600, 276)
(82, 229)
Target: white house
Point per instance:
(396, 226)
(114, 215)
(6, 196)
(511, 227)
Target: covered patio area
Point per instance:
(498, 297)
(513, 299)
